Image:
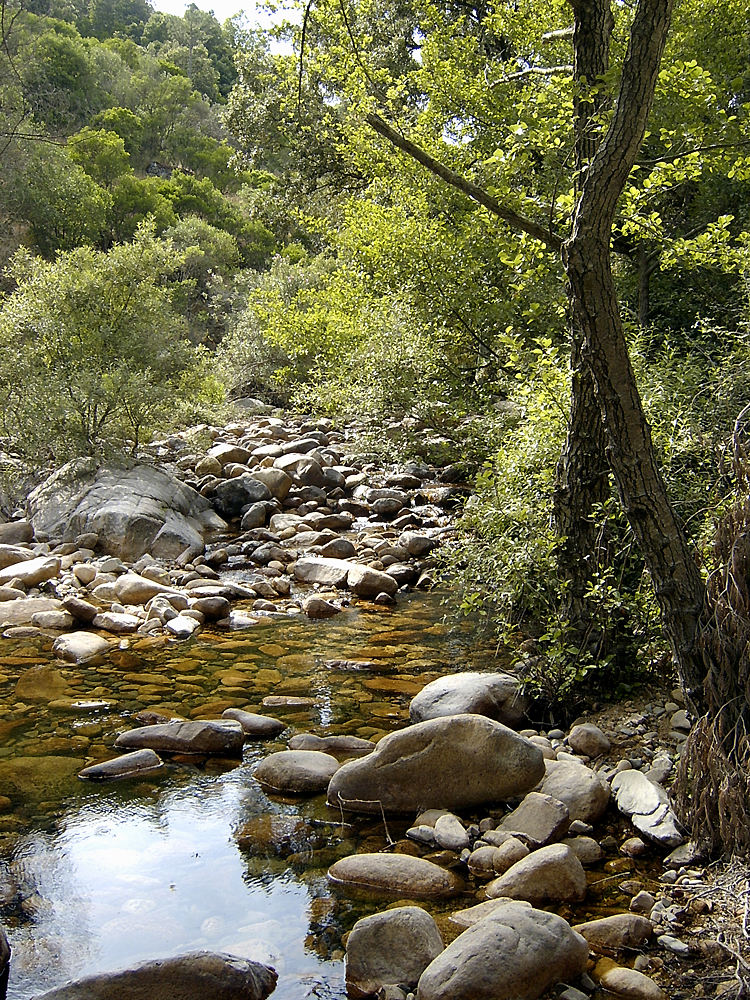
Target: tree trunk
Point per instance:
(582, 474)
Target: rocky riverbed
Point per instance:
(242, 620)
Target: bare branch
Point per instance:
(536, 71)
(561, 35)
(471, 190)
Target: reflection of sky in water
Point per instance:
(127, 881)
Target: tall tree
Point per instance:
(607, 137)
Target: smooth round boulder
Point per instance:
(498, 696)
(629, 984)
(610, 935)
(452, 763)
(514, 952)
(588, 739)
(41, 683)
(539, 816)
(201, 974)
(582, 791)
(396, 875)
(551, 874)
(367, 582)
(260, 726)
(302, 772)
(351, 745)
(395, 946)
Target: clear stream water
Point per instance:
(98, 876)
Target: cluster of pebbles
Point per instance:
(302, 531)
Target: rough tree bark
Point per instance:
(582, 475)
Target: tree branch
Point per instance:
(471, 190)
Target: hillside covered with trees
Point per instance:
(512, 237)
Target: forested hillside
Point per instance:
(494, 236)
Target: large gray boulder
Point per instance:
(452, 763)
(133, 510)
(515, 953)
(395, 946)
(200, 974)
(498, 696)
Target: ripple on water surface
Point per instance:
(95, 877)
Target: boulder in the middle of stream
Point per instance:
(455, 762)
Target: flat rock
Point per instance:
(134, 589)
(56, 620)
(302, 772)
(22, 610)
(127, 766)
(396, 874)
(351, 745)
(610, 935)
(41, 683)
(395, 946)
(540, 816)
(327, 572)
(513, 953)
(31, 572)
(260, 726)
(116, 622)
(79, 647)
(34, 779)
(582, 791)
(454, 763)
(497, 696)
(551, 874)
(11, 554)
(182, 626)
(222, 736)
(200, 974)
(635, 793)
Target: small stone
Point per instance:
(642, 902)
(129, 764)
(588, 739)
(674, 945)
(627, 984)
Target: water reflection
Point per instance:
(125, 880)
(94, 878)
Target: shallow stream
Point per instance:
(98, 876)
